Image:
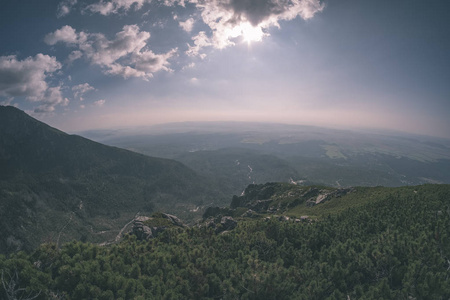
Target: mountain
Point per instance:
(56, 187)
(331, 157)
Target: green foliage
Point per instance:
(74, 188)
(395, 246)
(158, 220)
(232, 169)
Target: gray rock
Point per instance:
(141, 231)
(175, 220)
(249, 214)
(228, 223)
(144, 232)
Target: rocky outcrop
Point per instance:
(250, 214)
(259, 205)
(174, 219)
(222, 224)
(228, 223)
(254, 192)
(141, 231)
(217, 211)
(150, 227)
(325, 195)
(264, 198)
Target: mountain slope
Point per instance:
(49, 179)
(236, 168)
(372, 243)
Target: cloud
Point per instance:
(248, 19)
(115, 6)
(229, 19)
(100, 103)
(28, 78)
(7, 101)
(126, 55)
(66, 35)
(64, 7)
(189, 66)
(201, 40)
(187, 25)
(74, 55)
(149, 62)
(81, 89)
(53, 96)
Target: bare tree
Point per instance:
(12, 289)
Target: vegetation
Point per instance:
(58, 187)
(276, 152)
(290, 242)
(232, 169)
(394, 245)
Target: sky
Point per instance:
(80, 65)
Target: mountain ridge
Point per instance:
(49, 177)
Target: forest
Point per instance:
(395, 246)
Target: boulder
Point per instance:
(141, 231)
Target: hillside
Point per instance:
(368, 243)
(325, 156)
(233, 169)
(57, 187)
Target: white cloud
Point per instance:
(248, 19)
(81, 89)
(74, 55)
(230, 19)
(53, 96)
(126, 55)
(115, 6)
(174, 2)
(66, 35)
(187, 25)
(100, 103)
(27, 78)
(227, 19)
(189, 66)
(64, 7)
(201, 40)
(149, 62)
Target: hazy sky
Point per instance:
(98, 64)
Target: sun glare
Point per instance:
(251, 33)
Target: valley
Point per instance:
(279, 152)
(262, 215)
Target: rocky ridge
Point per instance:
(150, 227)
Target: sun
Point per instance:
(250, 33)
